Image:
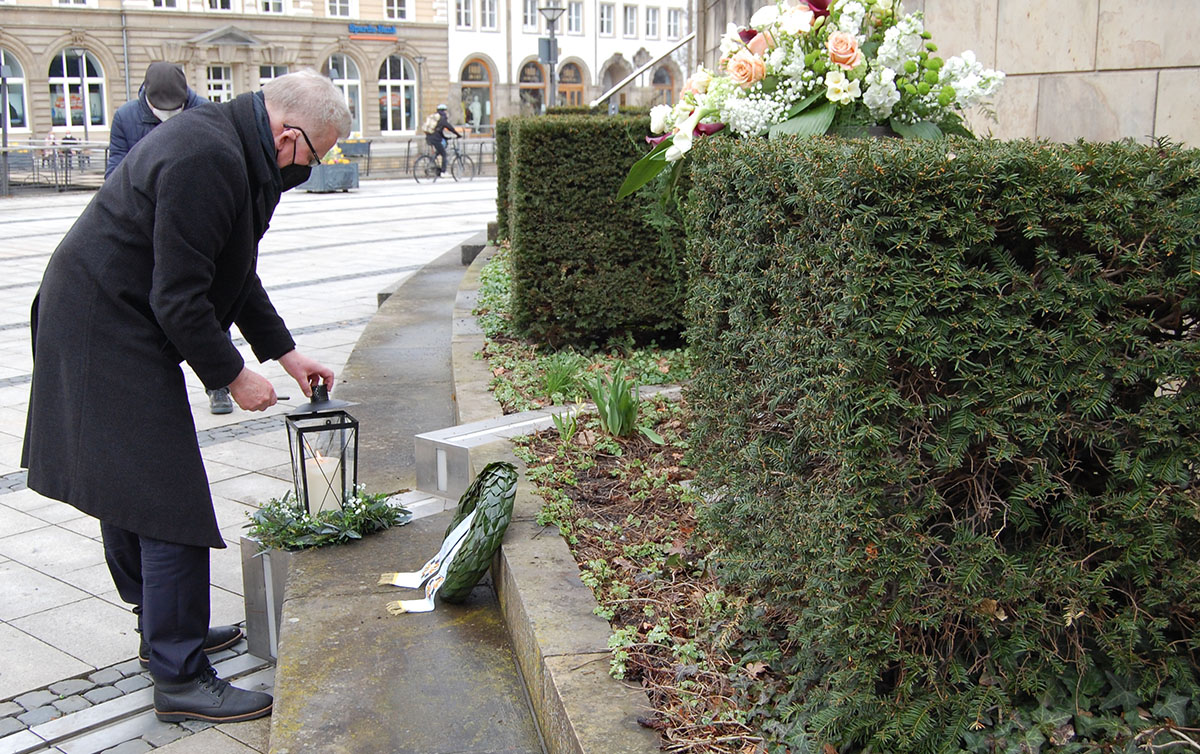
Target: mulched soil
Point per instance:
(630, 513)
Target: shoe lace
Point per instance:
(211, 682)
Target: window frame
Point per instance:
(525, 16)
(612, 18)
(464, 9)
(574, 14)
(652, 19)
(395, 10)
(488, 8)
(629, 25)
(674, 19)
(209, 80)
(8, 58)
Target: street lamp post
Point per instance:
(552, 12)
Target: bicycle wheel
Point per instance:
(463, 168)
(425, 169)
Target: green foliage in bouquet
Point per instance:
(947, 401)
(820, 66)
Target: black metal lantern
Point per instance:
(323, 440)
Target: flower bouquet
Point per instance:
(808, 67)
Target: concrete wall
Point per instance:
(1100, 70)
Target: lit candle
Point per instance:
(324, 483)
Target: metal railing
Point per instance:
(625, 81)
(78, 164)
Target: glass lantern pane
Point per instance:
(324, 449)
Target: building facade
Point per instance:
(71, 63)
(495, 68)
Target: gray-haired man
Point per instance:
(153, 273)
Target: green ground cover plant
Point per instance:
(528, 375)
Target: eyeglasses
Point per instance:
(316, 160)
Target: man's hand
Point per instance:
(305, 371)
(252, 391)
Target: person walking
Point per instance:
(151, 275)
(164, 94)
(435, 132)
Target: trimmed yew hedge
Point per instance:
(947, 418)
(586, 268)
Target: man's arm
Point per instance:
(118, 143)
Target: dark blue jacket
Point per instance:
(132, 121)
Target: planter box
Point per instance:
(264, 575)
(327, 178)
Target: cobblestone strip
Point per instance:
(75, 694)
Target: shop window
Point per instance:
(476, 80)
(343, 72)
(570, 85)
(533, 88)
(397, 95)
(16, 114)
(76, 89)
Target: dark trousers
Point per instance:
(167, 583)
(439, 144)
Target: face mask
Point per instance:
(165, 115)
(294, 175)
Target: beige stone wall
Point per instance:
(1100, 70)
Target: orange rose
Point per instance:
(746, 68)
(843, 49)
(761, 42)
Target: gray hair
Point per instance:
(310, 98)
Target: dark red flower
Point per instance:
(819, 7)
(655, 140)
(747, 35)
(708, 129)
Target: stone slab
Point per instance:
(1159, 34)
(957, 26)
(1097, 106)
(346, 664)
(1046, 37)
(1177, 115)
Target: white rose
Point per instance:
(658, 117)
(796, 20)
(764, 16)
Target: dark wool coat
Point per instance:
(134, 120)
(153, 272)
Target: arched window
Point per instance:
(342, 71)
(476, 82)
(76, 89)
(664, 87)
(397, 95)
(533, 89)
(16, 91)
(570, 85)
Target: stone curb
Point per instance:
(560, 643)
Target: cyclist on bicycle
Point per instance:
(435, 133)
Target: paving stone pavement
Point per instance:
(66, 639)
